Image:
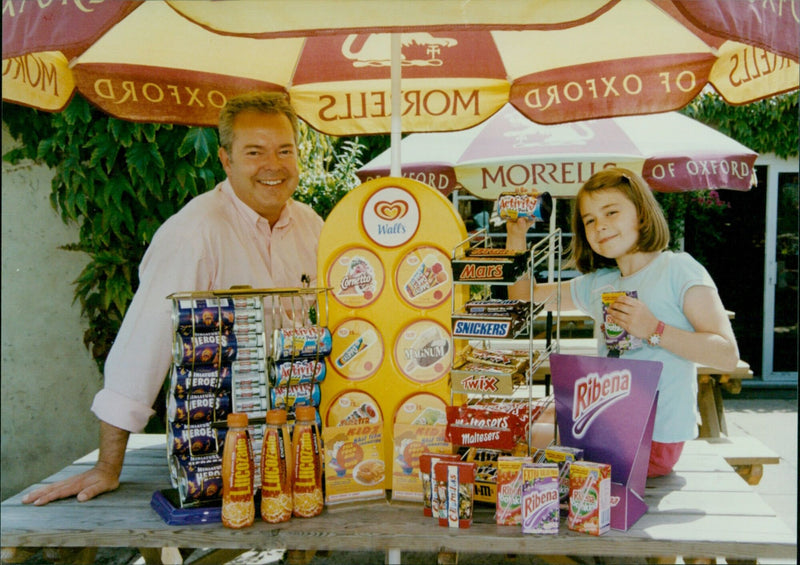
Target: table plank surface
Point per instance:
(703, 508)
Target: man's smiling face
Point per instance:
(262, 164)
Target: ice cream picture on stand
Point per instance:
(423, 277)
(345, 455)
(427, 350)
(356, 348)
(360, 279)
(356, 277)
(429, 274)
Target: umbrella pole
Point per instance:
(550, 263)
(397, 119)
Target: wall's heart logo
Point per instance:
(391, 210)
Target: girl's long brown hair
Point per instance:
(653, 227)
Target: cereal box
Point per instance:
(540, 513)
(430, 496)
(509, 490)
(455, 481)
(589, 497)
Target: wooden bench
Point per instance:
(710, 383)
(745, 454)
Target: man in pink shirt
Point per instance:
(246, 231)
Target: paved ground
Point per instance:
(770, 417)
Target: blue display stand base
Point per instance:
(167, 505)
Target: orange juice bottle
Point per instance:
(307, 464)
(238, 506)
(276, 469)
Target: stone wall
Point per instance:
(48, 376)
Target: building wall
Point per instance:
(48, 376)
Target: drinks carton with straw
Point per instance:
(540, 514)
(589, 497)
(509, 490)
(563, 456)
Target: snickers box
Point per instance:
(497, 327)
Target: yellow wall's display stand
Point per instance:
(384, 253)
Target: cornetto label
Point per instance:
(481, 328)
(594, 393)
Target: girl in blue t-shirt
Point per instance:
(665, 302)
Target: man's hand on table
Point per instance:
(87, 485)
(103, 477)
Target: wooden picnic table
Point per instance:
(702, 509)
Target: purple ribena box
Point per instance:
(540, 512)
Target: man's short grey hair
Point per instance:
(266, 102)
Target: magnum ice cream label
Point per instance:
(422, 351)
(356, 277)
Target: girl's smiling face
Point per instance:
(611, 222)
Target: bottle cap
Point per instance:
(276, 416)
(305, 413)
(237, 420)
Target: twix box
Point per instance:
(589, 497)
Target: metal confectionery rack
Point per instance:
(486, 384)
(225, 359)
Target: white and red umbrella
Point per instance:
(453, 65)
(671, 151)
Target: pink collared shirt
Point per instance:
(216, 241)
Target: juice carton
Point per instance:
(564, 456)
(589, 497)
(617, 339)
(540, 513)
(509, 490)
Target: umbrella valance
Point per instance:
(555, 61)
(671, 151)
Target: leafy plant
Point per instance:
(767, 126)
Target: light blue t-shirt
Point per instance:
(662, 286)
